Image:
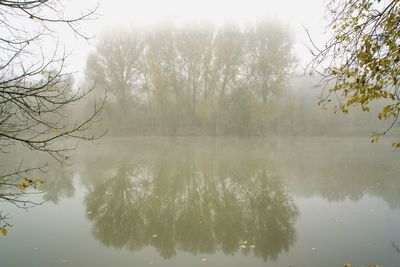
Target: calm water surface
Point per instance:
(214, 202)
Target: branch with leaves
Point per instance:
(359, 64)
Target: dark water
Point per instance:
(214, 202)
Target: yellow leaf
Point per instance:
(25, 183)
(4, 231)
(396, 145)
(374, 138)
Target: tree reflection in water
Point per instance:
(59, 183)
(192, 202)
(230, 196)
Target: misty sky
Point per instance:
(148, 11)
(112, 13)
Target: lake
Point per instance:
(306, 201)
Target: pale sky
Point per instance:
(152, 10)
(293, 13)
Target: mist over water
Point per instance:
(235, 201)
(215, 148)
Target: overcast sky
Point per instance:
(294, 13)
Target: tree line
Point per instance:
(194, 79)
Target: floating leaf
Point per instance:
(396, 145)
(374, 138)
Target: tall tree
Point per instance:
(193, 45)
(115, 68)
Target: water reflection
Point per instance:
(58, 183)
(193, 203)
(348, 171)
(231, 196)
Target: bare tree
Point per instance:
(35, 88)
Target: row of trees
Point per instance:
(194, 79)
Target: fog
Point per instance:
(192, 94)
(297, 15)
(187, 133)
(188, 105)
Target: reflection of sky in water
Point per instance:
(351, 222)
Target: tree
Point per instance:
(115, 69)
(35, 89)
(359, 64)
(193, 45)
(270, 58)
(188, 79)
